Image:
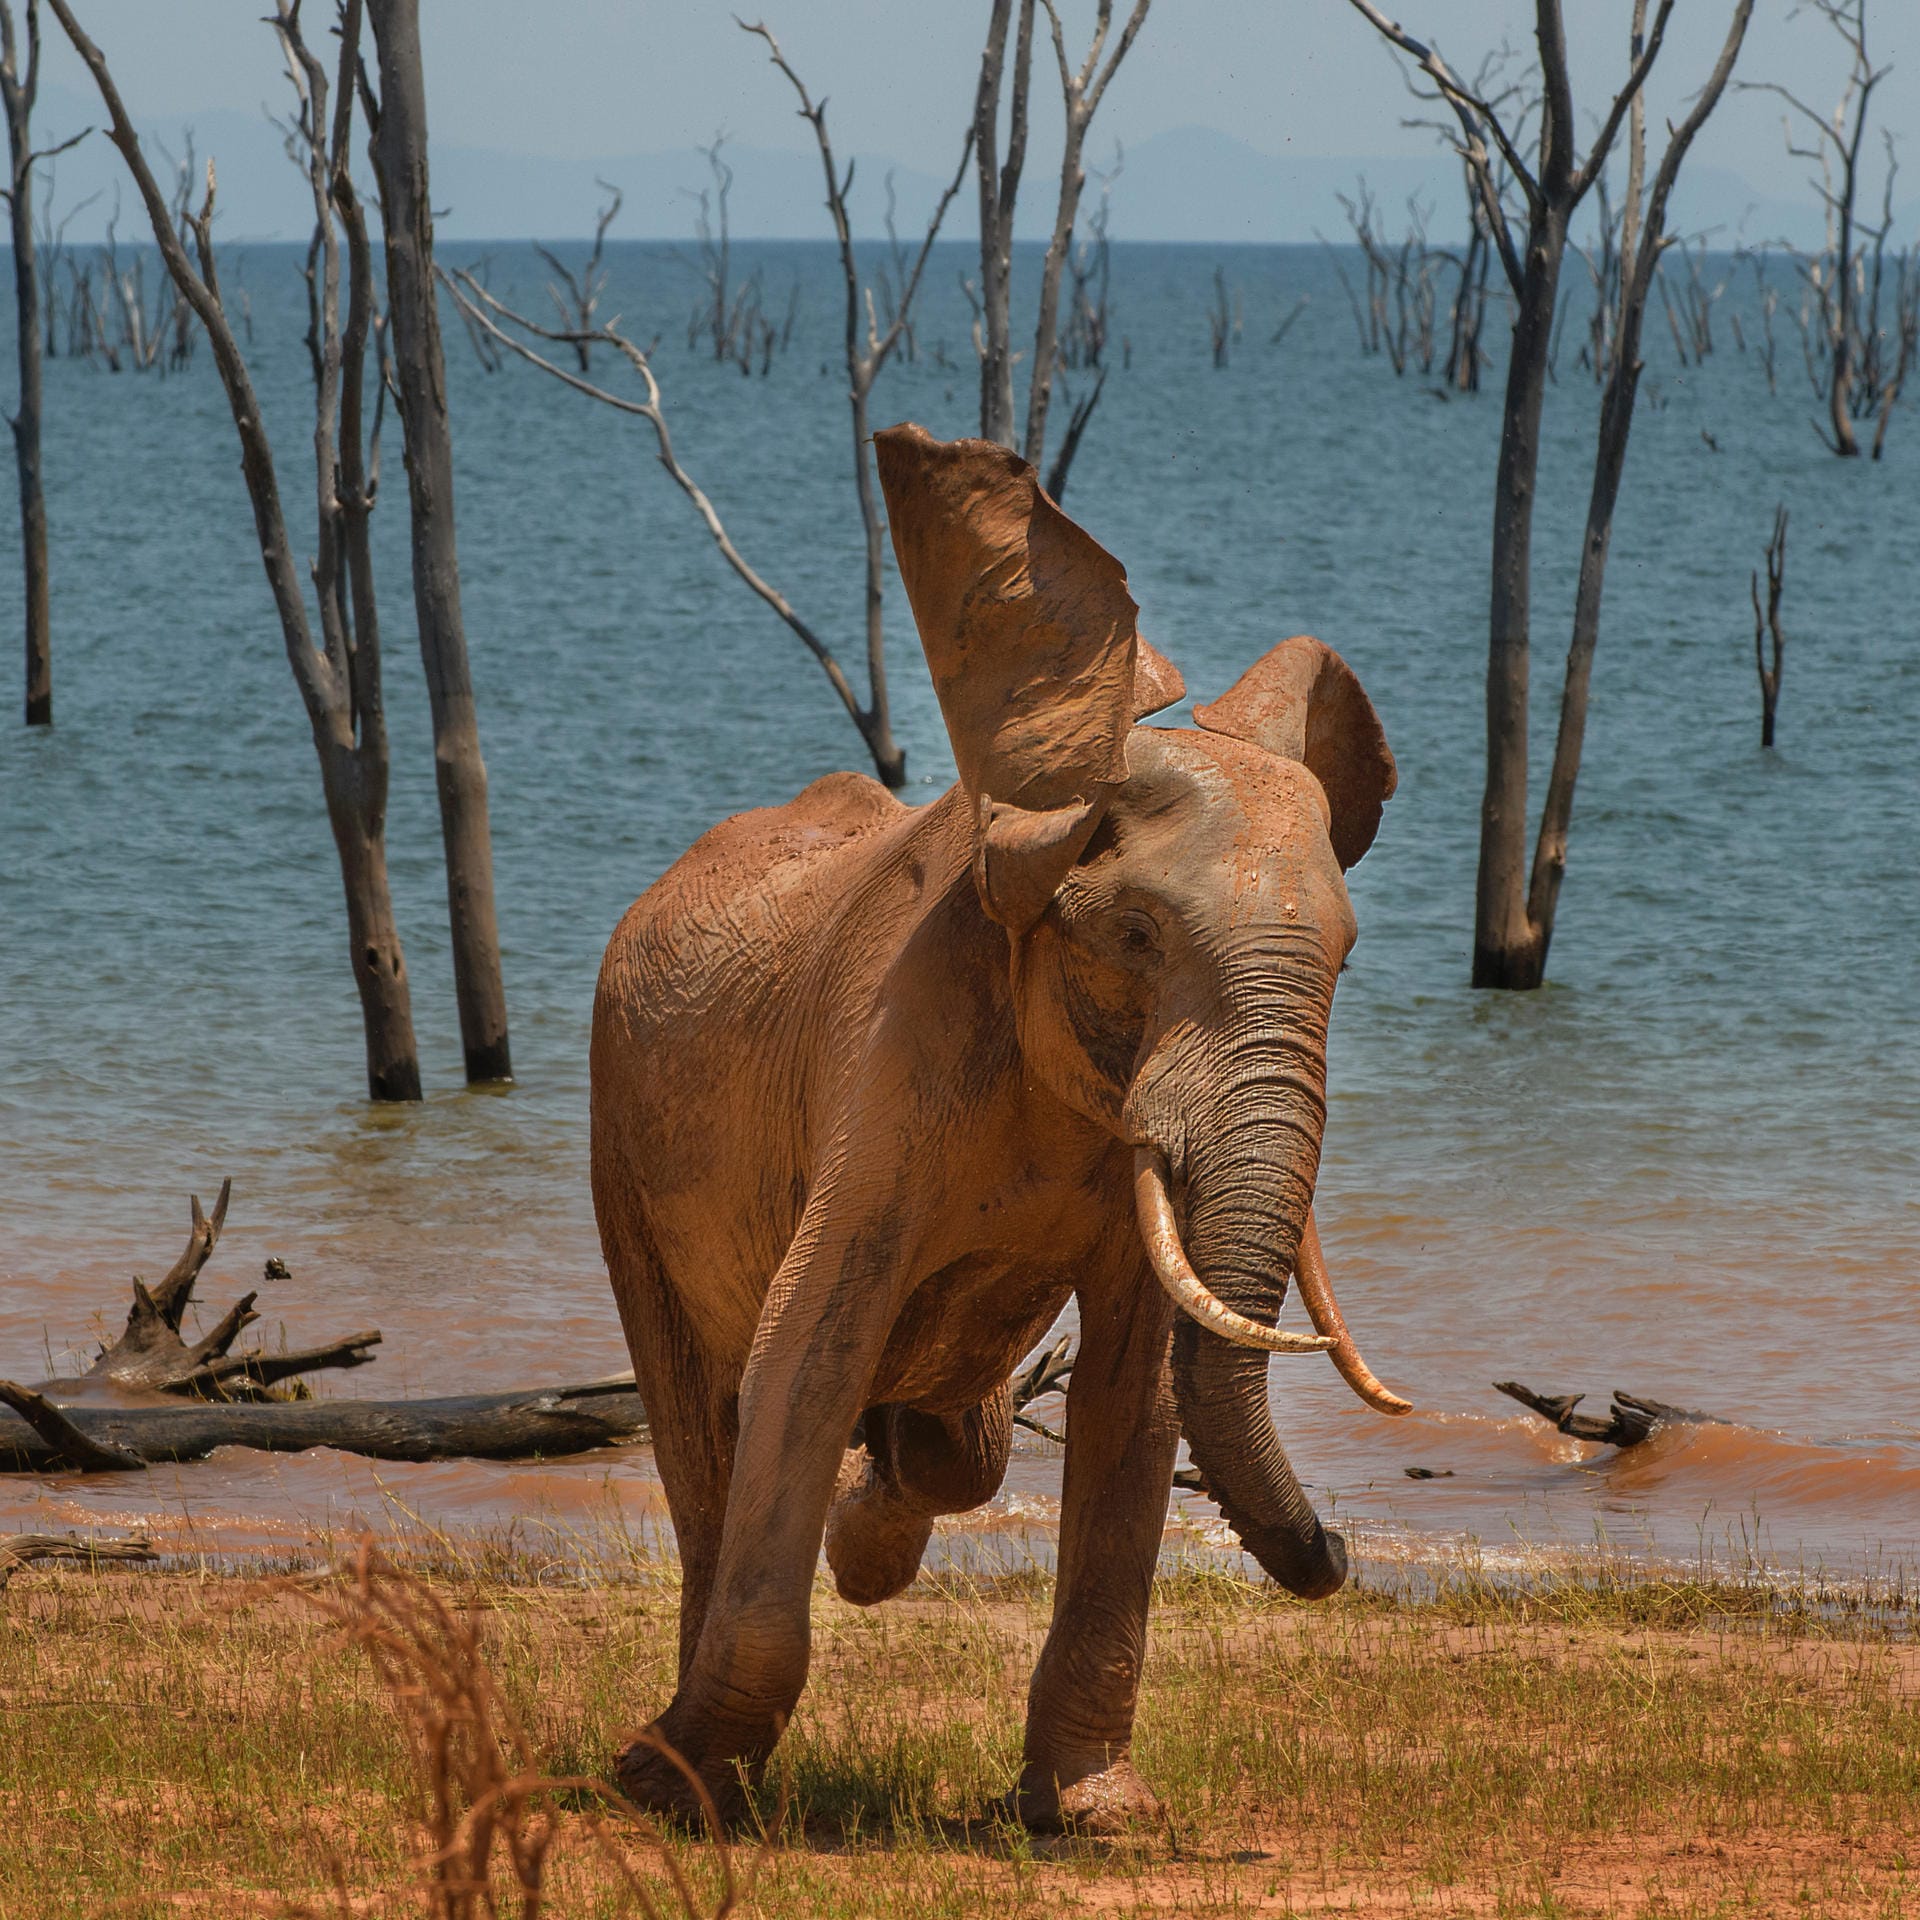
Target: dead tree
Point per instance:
(1831, 274)
(999, 178)
(868, 347)
(41, 1435)
(19, 88)
(1220, 318)
(892, 278)
(1768, 624)
(1082, 87)
(339, 680)
(1513, 918)
(1083, 340)
(399, 147)
(50, 258)
(723, 313)
(581, 300)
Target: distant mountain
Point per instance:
(1190, 183)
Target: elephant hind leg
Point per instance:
(692, 1409)
(916, 1465)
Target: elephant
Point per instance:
(876, 1089)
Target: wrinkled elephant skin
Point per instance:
(868, 1085)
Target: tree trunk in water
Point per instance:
(999, 192)
(356, 787)
(1046, 327)
(1609, 462)
(1506, 952)
(400, 152)
(26, 423)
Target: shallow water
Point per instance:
(1688, 1168)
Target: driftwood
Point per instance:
(150, 1353)
(1628, 1421)
(21, 1549)
(114, 1418)
(78, 1423)
(40, 1437)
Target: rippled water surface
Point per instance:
(1687, 1168)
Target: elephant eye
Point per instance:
(1138, 934)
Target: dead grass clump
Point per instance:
(489, 1815)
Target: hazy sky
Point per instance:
(572, 79)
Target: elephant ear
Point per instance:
(1029, 631)
(1302, 702)
(1157, 682)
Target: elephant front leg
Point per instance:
(1122, 1434)
(821, 1334)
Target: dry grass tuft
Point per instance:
(489, 1815)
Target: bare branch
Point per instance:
(486, 311)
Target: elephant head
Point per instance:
(1176, 917)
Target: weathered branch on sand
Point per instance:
(1628, 1421)
(531, 1422)
(18, 1550)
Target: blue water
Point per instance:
(1688, 1167)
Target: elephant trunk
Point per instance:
(1250, 1171)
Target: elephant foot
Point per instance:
(875, 1538)
(1103, 1801)
(650, 1773)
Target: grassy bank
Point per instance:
(1601, 1743)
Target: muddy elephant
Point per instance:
(876, 1089)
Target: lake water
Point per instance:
(1689, 1168)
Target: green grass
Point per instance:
(1593, 1740)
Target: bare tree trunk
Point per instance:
(339, 681)
(400, 159)
(999, 191)
(1504, 949)
(1513, 923)
(18, 90)
(1080, 91)
(1770, 621)
(1610, 457)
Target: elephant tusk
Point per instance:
(1175, 1272)
(1316, 1289)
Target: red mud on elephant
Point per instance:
(877, 1089)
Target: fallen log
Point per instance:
(18, 1550)
(37, 1436)
(1626, 1423)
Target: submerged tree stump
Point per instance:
(1626, 1423)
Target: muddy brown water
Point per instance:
(1690, 1168)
